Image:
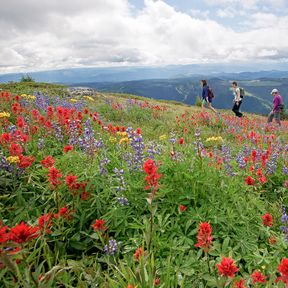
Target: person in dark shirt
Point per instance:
(206, 99)
(275, 113)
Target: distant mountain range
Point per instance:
(120, 74)
(175, 82)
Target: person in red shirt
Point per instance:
(275, 113)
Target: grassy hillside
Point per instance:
(258, 98)
(116, 190)
(34, 87)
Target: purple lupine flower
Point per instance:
(12, 129)
(111, 248)
(240, 160)
(108, 101)
(285, 170)
(58, 132)
(129, 102)
(118, 174)
(102, 168)
(127, 157)
(41, 143)
(73, 133)
(197, 133)
(226, 155)
(153, 149)
(271, 166)
(284, 220)
(135, 159)
(88, 142)
(65, 103)
(41, 101)
(5, 165)
(172, 139)
(24, 102)
(177, 156)
(123, 201)
(99, 143)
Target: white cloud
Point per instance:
(231, 12)
(196, 13)
(245, 4)
(56, 34)
(248, 4)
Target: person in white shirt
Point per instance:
(237, 99)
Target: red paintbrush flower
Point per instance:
(283, 269)
(181, 141)
(138, 253)
(45, 221)
(152, 177)
(5, 138)
(239, 284)
(262, 179)
(4, 235)
(48, 162)
(267, 220)
(68, 148)
(99, 225)
(54, 176)
(258, 277)
(249, 181)
(204, 236)
(157, 281)
(25, 161)
(63, 212)
(227, 267)
(71, 181)
(182, 208)
(15, 149)
(22, 233)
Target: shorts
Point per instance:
(204, 100)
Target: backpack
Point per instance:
(242, 92)
(282, 106)
(210, 93)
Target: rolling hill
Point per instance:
(186, 90)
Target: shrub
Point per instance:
(26, 78)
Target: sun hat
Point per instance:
(274, 91)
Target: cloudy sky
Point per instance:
(52, 34)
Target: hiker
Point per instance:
(207, 96)
(237, 99)
(277, 102)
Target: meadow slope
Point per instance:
(115, 190)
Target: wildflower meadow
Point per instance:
(117, 190)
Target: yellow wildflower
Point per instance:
(89, 98)
(122, 134)
(126, 140)
(112, 139)
(162, 137)
(28, 97)
(13, 159)
(73, 100)
(4, 115)
(215, 139)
